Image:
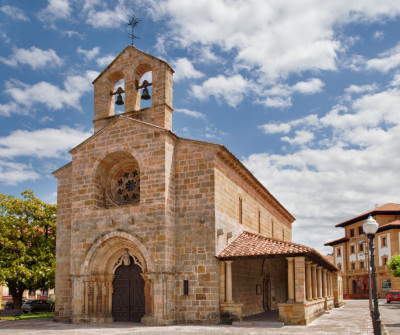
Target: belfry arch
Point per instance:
(95, 283)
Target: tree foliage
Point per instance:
(394, 265)
(27, 244)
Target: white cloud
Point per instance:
(105, 61)
(107, 18)
(41, 143)
(56, 9)
(34, 57)
(379, 35)
(341, 167)
(184, 69)
(270, 38)
(12, 173)
(396, 80)
(191, 113)
(311, 86)
(14, 13)
(231, 89)
(357, 89)
(75, 87)
(276, 102)
(274, 128)
(302, 137)
(387, 60)
(89, 54)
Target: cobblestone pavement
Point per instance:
(353, 318)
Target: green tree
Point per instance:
(394, 265)
(27, 244)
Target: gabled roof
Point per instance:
(222, 148)
(387, 209)
(388, 226)
(123, 51)
(338, 241)
(250, 245)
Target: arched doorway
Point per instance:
(128, 299)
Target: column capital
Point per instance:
(308, 263)
(290, 259)
(228, 262)
(324, 270)
(314, 265)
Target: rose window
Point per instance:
(126, 186)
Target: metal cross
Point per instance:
(133, 22)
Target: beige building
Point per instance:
(351, 250)
(160, 229)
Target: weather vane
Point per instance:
(133, 22)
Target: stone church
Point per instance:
(160, 229)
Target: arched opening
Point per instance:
(147, 77)
(128, 298)
(115, 80)
(119, 99)
(114, 275)
(117, 181)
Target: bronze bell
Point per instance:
(119, 101)
(145, 94)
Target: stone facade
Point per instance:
(137, 196)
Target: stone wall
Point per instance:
(258, 214)
(195, 234)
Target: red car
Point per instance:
(393, 296)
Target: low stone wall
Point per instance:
(301, 313)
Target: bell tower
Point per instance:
(130, 65)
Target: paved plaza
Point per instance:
(353, 318)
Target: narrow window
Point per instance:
(361, 247)
(339, 266)
(383, 240)
(240, 211)
(360, 230)
(353, 266)
(352, 249)
(186, 287)
(272, 222)
(338, 252)
(352, 232)
(361, 265)
(283, 234)
(385, 260)
(259, 222)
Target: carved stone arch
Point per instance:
(116, 180)
(107, 249)
(139, 71)
(95, 283)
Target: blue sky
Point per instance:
(306, 93)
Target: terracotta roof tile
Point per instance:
(330, 259)
(384, 209)
(388, 226)
(338, 241)
(248, 244)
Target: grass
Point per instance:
(35, 315)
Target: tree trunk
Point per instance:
(17, 296)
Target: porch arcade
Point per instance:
(260, 274)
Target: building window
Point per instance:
(352, 249)
(360, 230)
(351, 232)
(384, 243)
(386, 284)
(361, 247)
(353, 266)
(339, 266)
(338, 252)
(259, 222)
(240, 211)
(361, 265)
(385, 260)
(283, 234)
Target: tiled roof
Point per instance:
(338, 241)
(251, 245)
(389, 208)
(388, 226)
(330, 259)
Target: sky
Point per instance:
(306, 93)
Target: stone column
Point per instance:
(299, 279)
(228, 285)
(319, 275)
(324, 284)
(148, 299)
(308, 281)
(314, 281)
(290, 279)
(331, 284)
(222, 281)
